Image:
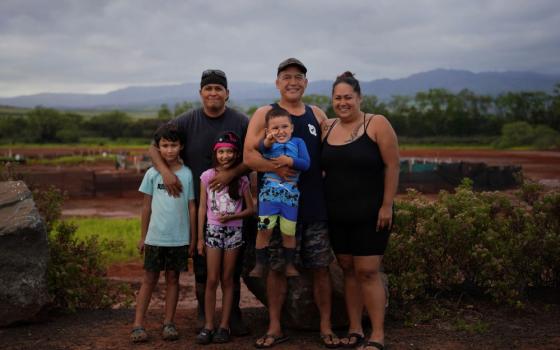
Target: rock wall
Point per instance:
(23, 255)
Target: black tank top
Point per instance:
(312, 206)
(354, 179)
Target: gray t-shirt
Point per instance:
(200, 132)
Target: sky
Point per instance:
(96, 46)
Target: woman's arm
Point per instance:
(386, 139)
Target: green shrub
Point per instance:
(546, 137)
(488, 243)
(76, 274)
(516, 134)
(49, 203)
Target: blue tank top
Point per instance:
(312, 206)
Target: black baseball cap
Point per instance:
(291, 62)
(213, 76)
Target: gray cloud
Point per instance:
(95, 46)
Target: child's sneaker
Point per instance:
(257, 271)
(291, 271)
(222, 335)
(169, 332)
(205, 336)
(138, 335)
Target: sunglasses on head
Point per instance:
(210, 72)
(228, 137)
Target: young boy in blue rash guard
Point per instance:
(168, 232)
(279, 197)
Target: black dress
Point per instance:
(354, 186)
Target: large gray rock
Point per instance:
(300, 311)
(23, 255)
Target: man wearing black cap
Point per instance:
(200, 127)
(311, 230)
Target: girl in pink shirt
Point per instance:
(220, 215)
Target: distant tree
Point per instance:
(13, 129)
(251, 110)
(143, 128)
(546, 137)
(320, 101)
(371, 104)
(164, 113)
(555, 108)
(183, 107)
(516, 134)
(43, 124)
(111, 124)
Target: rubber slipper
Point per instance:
(276, 339)
(328, 341)
(359, 340)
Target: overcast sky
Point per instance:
(100, 45)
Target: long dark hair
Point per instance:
(348, 78)
(233, 139)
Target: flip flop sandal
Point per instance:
(169, 332)
(359, 340)
(374, 344)
(276, 339)
(138, 335)
(328, 341)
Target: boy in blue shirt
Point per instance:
(168, 231)
(278, 197)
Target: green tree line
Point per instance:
(437, 113)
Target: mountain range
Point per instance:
(252, 93)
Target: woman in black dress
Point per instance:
(360, 158)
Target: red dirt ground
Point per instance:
(538, 327)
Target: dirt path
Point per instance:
(536, 328)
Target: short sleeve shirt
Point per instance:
(200, 132)
(219, 202)
(169, 221)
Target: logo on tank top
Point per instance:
(312, 129)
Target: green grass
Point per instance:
(125, 230)
(87, 143)
(74, 160)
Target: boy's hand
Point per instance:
(269, 138)
(191, 250)
(283, 160)
(200, 247)
(140, 246)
